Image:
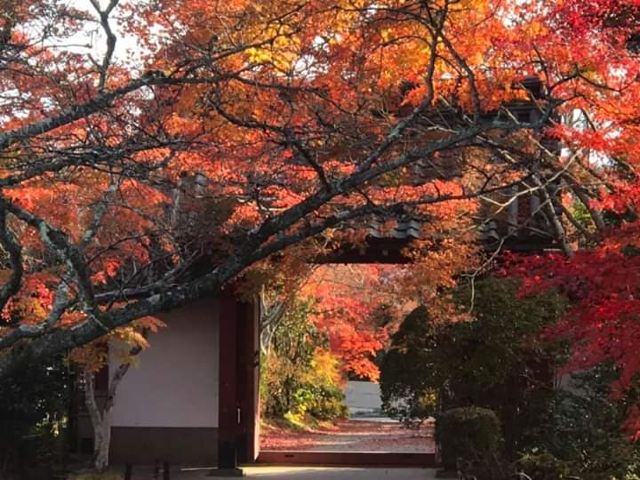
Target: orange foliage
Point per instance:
(231, 136)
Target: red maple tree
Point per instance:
(137, 179)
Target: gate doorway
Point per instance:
(367, 437)
(385, 245)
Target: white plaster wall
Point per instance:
(175, 383)
(363, 397)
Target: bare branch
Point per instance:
(110, 39)
(13, 248)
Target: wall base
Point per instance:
(178, 446)
(347, 459)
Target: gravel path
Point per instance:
(353, 436)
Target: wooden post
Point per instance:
(248, 364)
(229, 414)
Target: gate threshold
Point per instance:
(346, 459)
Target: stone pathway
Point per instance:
(353, 436)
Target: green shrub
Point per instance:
(543, 466)
(468, 433)
(409, 376)
(34, 404)
(301, 379)
(496, 360)
(583, 426)
(320, 402)
(328, 403)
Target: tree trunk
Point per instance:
(101, 428)
(103, 442)
(101, 417)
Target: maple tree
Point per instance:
(345, 300)
(359, 306)
(300, 377)
(137, 180)
(118, 351)
(600, 276)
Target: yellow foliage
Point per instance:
(325, 369)
(281, 48)
(95, 355)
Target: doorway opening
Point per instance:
(320, 393)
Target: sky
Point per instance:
(91, 40)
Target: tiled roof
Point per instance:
(402, 228)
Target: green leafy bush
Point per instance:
(468, 433)
(410, 379)
(320, 402)
(497, 359)
(34, 405)
(328, 403)
(501, 361)
(301, 379)
(583, 427)
(543, 466)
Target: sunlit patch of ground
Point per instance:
(332, 473)
(299, 473)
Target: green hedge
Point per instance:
(468, 433)
(543, 466)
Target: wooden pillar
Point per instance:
(248, 365)
(227, 401)
(238, 392)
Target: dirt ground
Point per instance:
(351, 436)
